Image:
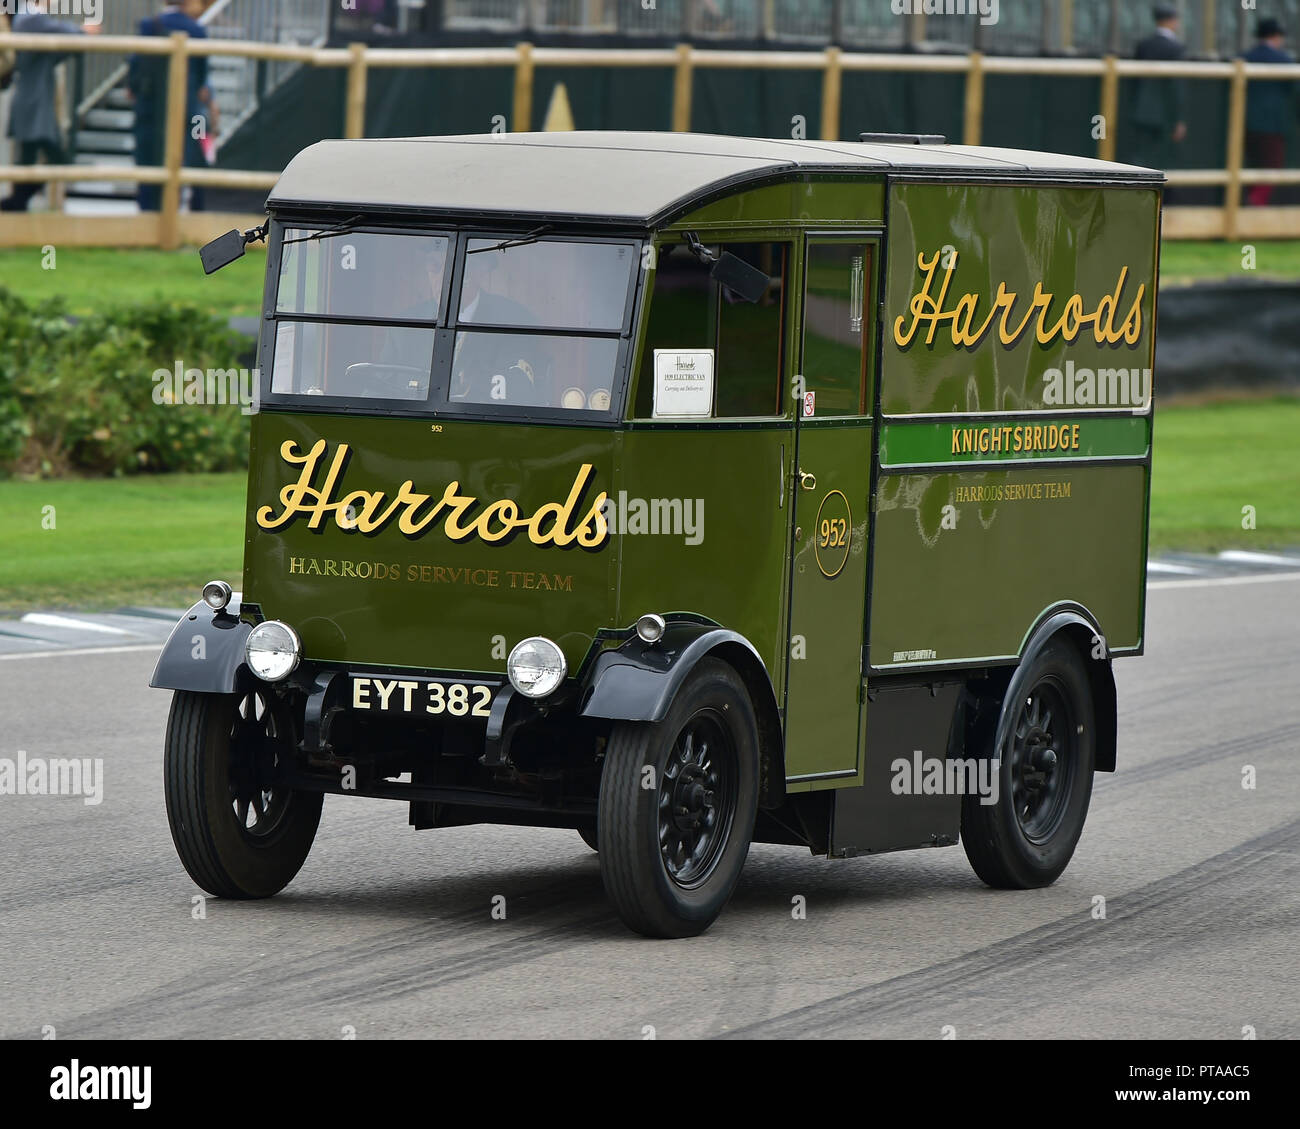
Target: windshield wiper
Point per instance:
(343, 227)
(522, 241)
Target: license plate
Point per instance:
(422, 697)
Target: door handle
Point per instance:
(807, 481)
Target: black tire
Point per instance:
(1027, 838)
(588, 836)
(222, 755)
(675, 882)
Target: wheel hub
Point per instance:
(257, 799)
(1040, 759)
(697, 800)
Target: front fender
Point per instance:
(637, 682)
(204, 652)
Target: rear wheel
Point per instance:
(678, 800)
(238, 830)
(1044, 778)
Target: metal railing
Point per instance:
(302, 22)
(165, 229)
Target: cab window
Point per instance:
(724, 353)
(540, 323)
(356, 314)
(837, 327)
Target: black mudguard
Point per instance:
(205, 652)
(1080, 624)
(637, 682)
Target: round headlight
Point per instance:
(273, 650)
(650, 628)
(216, 594)
(536, 667)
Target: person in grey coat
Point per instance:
(33, 118)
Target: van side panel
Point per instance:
(1016, 391)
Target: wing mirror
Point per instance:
(225, 249)
(740, 278)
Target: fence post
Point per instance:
(682, 89)
(525, 71)
(832, 88)
(974, 125)
(1067, 26)
(914, 29)
(1236, 144)
(1210, 28)
(177, 130)
(355, 123)
(1109, 109)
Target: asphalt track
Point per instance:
(389, 932)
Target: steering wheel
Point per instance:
(388, 382)
(517, 385)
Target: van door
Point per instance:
(831, 512)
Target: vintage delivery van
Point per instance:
(685, 491)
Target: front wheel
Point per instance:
(1044, 778)
(238, 830)
(678, 799)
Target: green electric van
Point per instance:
(686, 492)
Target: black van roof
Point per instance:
(639, 180)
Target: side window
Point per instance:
(837, 327)
(736, 345)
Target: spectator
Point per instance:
(1269, 107)
(1159, 121)
(33, 120)
(147, 84)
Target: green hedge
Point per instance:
(77, 397)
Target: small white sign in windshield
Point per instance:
(683, 384)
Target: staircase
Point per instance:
(105, 118)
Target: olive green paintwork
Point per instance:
(815, 202)
(736, 575)
(960, 580)
(477, 599)
(828, 598)
(966, 562)
(1071, 240)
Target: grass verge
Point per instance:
(120, 541)
(91, 278)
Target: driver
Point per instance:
(489, 368)
(405, 347)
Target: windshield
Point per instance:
(372, 316)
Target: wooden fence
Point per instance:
(170, 228)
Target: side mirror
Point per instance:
(222, 251)
(740, 278)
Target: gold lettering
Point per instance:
(926, 309)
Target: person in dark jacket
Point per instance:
(1270, 108)
(33, 118)
(147, 83)
(1159, 104)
